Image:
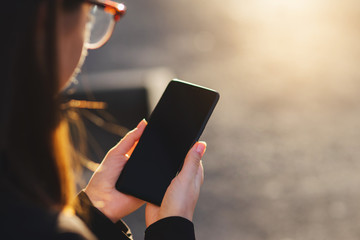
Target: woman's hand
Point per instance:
(182, 195)
(101, 188)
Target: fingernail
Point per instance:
(141, 123)
(200, 148)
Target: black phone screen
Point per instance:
(174, 126)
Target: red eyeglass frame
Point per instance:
(116, 9)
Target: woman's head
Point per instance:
(30, 106)
(43, 46)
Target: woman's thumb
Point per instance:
(192, 160)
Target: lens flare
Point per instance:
(120, 7)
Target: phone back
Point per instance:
(174, 126)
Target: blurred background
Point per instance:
(284, 141)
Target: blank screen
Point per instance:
(174, 126)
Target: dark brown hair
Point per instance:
(33, 141)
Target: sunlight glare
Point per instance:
(300, 41)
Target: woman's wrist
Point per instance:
(97, 221)
(100, 203)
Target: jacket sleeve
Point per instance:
(171, 228)
(101, 226)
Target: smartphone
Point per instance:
(174, 126)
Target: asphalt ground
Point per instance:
(283, 143)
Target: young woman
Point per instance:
(44, 43)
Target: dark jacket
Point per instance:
(20, 219)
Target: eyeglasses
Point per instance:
(103, 16)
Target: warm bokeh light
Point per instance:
(308, 43)
(86, 104)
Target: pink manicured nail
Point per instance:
(200, 148)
